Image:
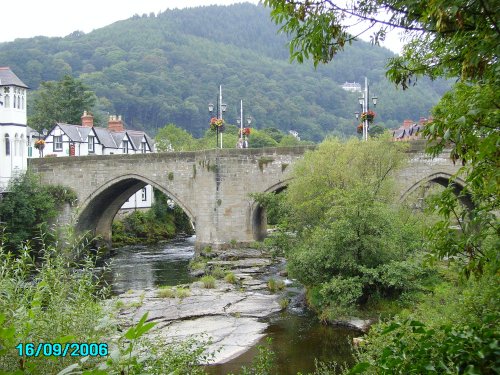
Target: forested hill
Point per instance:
(166, 68)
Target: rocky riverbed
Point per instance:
(231, 315)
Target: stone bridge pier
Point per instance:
(213, 187)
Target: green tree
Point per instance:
(352, 241)
(444, 39)
(173, 138)
(61, 101)
(24, 209)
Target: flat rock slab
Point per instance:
(225, 314)
(230, 336)
(242, 263)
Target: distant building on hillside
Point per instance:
(410, 130)
(295, 134)
(13, 128)
(352, 87)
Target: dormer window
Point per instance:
(144, 147)
(125, 147)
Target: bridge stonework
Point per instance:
(213, 187)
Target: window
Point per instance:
(7, 145)
(58, 144)
(144, 147)
(125, 147)
(144, 194)
(91, 141)
(7, 101)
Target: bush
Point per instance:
(410, 347)
(27, 207)
(57, 300)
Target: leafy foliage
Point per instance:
(28, 206)
(158, 223)
(443, 39)
(351, 242)
(59, 301)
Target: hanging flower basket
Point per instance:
(359, 129)
(40, 144)
(370, 115)
(217, 124)
(246, 132)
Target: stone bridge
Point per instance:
(213, 187)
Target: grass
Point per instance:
(284, 302)
(218, 272)
(230, 277)
(183, 293)
(198, 264)
(166, 292)
(208, 281)
(173, 292)
(275, 285)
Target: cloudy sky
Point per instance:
(28, 18)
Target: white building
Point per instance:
(352, 86)
(85, 139)
(13, 129)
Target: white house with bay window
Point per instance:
(86, 139)
(13, 129)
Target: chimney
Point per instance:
(115, 124)
(87, 119)
(407, 124)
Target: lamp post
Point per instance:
(240, 122)
(364, 102)
(221, 108)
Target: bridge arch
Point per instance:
(258, 212)
(443, 179)
(97, 212)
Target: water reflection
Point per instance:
(297, 340)
(142, 267)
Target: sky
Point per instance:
(29, 18)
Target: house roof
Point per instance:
(407, 131)
(8, 78)
(137, 137)
(105, 138)
(76, 133)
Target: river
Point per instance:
(297, 336)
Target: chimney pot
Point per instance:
(115, 124)
(87, 119)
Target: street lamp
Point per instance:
(221, 108)
(364, 102)
(240, 123)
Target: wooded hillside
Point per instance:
(165, 68)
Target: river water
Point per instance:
(297, 336)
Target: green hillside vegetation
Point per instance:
(165, 68)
